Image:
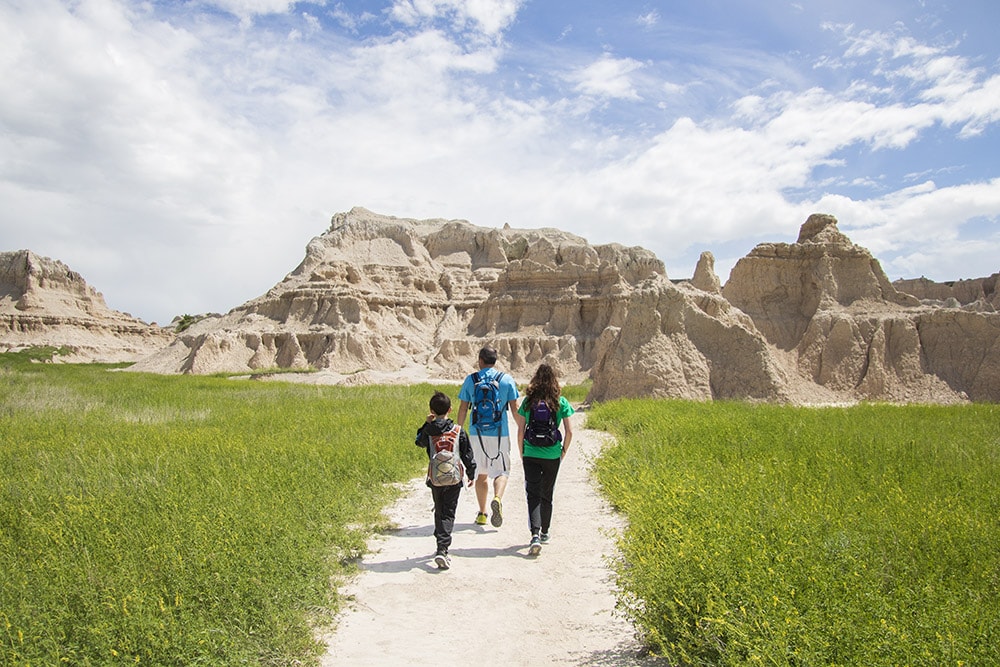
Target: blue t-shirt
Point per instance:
(507, 393)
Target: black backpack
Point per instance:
(541, 429)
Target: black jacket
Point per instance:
(439, 426)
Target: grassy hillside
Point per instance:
(204, 520)
(785, 536)
(185, 520)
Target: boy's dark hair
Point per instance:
(440, 403)
(488, 356)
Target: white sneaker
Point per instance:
(442, 560)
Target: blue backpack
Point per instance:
(487, 407)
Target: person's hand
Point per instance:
(471, 482)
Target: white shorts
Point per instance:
(492, 455)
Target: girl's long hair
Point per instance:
(544, 386)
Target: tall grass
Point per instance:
(185, 520)
(784, 536)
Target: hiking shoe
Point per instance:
(496, 518)
(535, 547)
(442, 560)
(481, 519)
(543, 538)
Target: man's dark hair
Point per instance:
(488, 356)
(440, 404)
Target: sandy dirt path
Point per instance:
(496, 605)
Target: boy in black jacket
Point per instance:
(445, 443)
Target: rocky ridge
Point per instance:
(978, 294)
(43, 302)
(812, 321)
(383, 299)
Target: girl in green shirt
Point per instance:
(542, 446)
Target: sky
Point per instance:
(181, 155)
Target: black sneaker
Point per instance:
(543, 538)
(442, 560)
(535, 547)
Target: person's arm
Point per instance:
(567, 436)
(463, 409)
(468, 458)
(519, 418)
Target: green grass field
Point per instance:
(185, 520)
(792, 536)
(178, 520)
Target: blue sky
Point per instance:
(180, 155)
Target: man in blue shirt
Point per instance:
(488, 431)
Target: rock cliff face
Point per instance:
(43, 302)
(812, 321)
(828, 303)
(377, 293)
(381, 299)
(978, 294)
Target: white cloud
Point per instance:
(488, 17)
(607, 77)
(649, 19)
(352, 22)
(246, 10)
(183, 167)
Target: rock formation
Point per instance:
(978, 294)
(705, 277)
(43, 302)
(377, 293)
(827, 303)
(381, 299)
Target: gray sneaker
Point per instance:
(535, 547)
(496, 513)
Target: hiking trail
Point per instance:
(496, 605)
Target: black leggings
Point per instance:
(539, 483)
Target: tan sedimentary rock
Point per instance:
(977, 294)
(828, 303)
(43, 302)
(383, 299)
(705, 277)
(377, 294)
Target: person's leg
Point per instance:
(502, 465)
(500, 485)
(499, 471)
(482, 473)
(532, 486)
(442, 537)
(446, 502)
(482, 491)
(547, 484)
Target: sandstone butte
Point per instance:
(384, 299)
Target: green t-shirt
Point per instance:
(555, 451)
